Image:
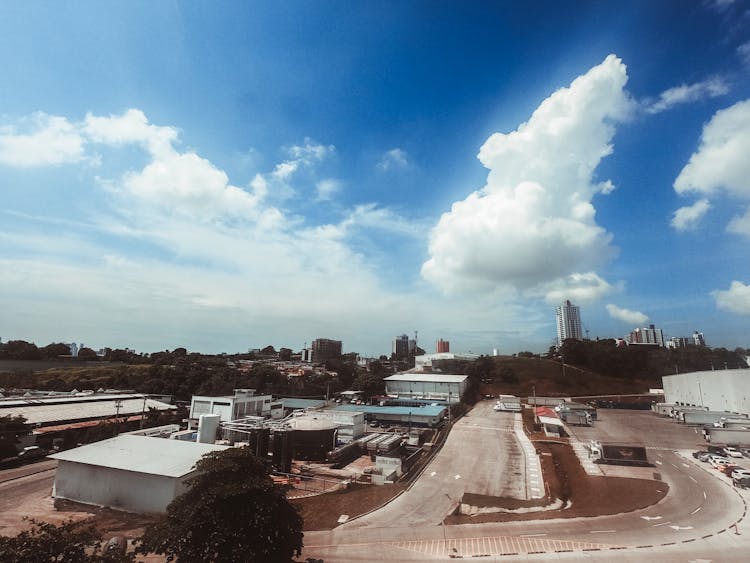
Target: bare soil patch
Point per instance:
(109, 522)
(566, 480)
(322, 512)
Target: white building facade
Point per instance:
(568, 322)
(244, 402)
(719, 390)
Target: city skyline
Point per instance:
(225, 177)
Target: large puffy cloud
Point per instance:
(736, 299)
(721, 165)
(52, 140)
(533, 223)
(626, 315)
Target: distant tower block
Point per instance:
(442, 346)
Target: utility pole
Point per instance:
(118, 406)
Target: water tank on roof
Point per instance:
(208, 424)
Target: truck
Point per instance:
(618, 454)
(577, 418)
(508, 404)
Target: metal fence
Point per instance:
(302, 485)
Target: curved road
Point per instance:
(697, 513)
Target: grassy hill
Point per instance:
(519, 376)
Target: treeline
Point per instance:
(183, 374)
(641, 362)
(22, 350)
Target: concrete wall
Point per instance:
(720, 390)
(116, 488)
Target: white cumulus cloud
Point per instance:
(686, 93)
(721, 164)
(744, 53)
(581, 288)
(626, 315)
(688, 217)
(327, 188)
(736, 299)
(533, 223)
(51, 140)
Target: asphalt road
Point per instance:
(481, 455)
(697, 515)
(25, 492)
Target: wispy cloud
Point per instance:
(626, 315)
(394, 158)
(744, 53)
(687, 218)
(48, 140)
(327, 188)
(687, 93)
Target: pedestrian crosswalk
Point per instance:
(496, 545)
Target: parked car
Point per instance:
(697, 454)
(745, 451)
(704, 456)
(740, 472)
(31, 453)
(717, 461)
(729, 451)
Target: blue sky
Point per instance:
(226, 176)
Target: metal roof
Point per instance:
(427, 410)
(58, 412)
(141, 454)
(294, 403)
(427, 377)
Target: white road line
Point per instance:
(704, 495)
(693, 479)
(602, 531)
(531, 535)
(696, 510)
(662, 524)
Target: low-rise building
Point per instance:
(427, 386)
(129, 472)
(243, 403)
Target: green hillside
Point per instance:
(524, 376)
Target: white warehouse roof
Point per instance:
(427, 377)
(51, 411)
(141, 454)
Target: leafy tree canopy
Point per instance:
(70, 541)
(232, 512)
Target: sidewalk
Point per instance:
(534, 478)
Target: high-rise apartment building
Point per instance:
(568, 322)
(325, 349)
(698, 339)
(650, 335)
(442, 346)
(403, 347)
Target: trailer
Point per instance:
(663, 409)
(619, 454)
(577, 408)
(729, 436)
(741, 423)
(699, 418)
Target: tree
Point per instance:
(11, 427)
(232, 511)
(70, 541)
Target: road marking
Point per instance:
(704, 495)
(686, 465)
(657, 462)
(602, 531)
(662, 524)
(696, 510)
(651, 517)
(673, 465)
(678, 528)
(532, 535)
(457, 477)
(433, 474)
(693, 479)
